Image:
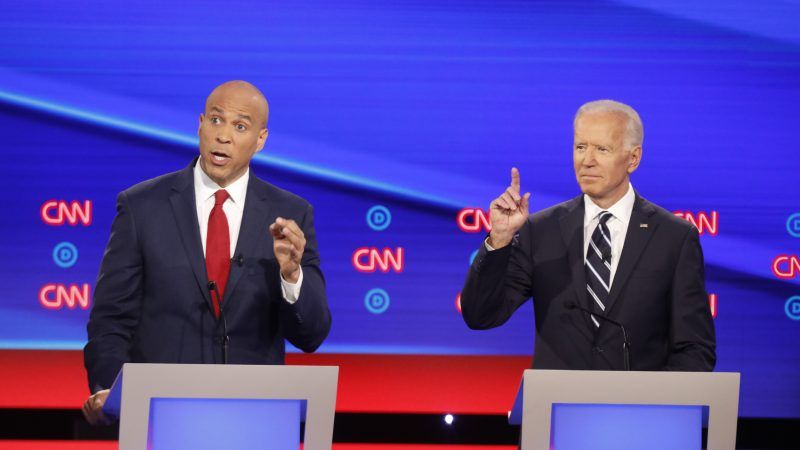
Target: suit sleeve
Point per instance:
(307, 321)
(692, 337)
(117, 301)
(498, 282)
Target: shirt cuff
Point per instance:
(488, 247)
(291, 292)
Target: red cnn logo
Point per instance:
(370, 259)
(56, 296)
(712, 302)
(472, 220)
(786, 266)
(704, 222)
(59, 212)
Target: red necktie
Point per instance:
(218, 249)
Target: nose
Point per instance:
(589, 157)
(223, 137)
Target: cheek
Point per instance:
(205, 135)
(619, 171)
(249, 144)
(244, 150)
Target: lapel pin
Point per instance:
(642, 225)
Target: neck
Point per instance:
(609, 200)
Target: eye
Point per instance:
(215, 120)
(241, 127)
(580, 147)
(603, 149)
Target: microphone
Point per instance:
(238, 259)
(626, 345)
(212, 288)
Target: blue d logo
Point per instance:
(379, 218)
(793, 225)
(65, 254)
(376, 301)
(792, 307)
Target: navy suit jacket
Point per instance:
(151, 300)
(658, 292)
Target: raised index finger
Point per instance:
(515, 179)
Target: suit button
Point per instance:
(597, 349)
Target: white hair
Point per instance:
(634, 132)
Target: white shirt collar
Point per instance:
(621, 210)
(205, 187)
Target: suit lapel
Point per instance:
(572, 232)
(640, 228)
(252, 233)
(184, 210)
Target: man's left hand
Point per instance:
(93, 408)
(289, 241)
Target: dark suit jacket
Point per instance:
(658, 292)
(151, 301)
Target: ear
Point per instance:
(262, 139)
(200, 123)
(634, 158)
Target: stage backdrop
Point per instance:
(399, 121)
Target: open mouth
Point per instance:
(219, 158)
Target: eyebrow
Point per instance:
(219, 110)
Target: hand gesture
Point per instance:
(508, 213)
(289, 242)
(93, 408)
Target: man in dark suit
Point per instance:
(207, 252)
(606, 253)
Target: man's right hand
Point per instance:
(508, 213)
(93, 408)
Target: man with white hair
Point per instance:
(602, 262)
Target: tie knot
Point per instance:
(220, 196)
(605, 216)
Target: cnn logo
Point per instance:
(370, 259)
(473, 220)
(58, 296)
(786, 267)
(60, 212)
(713, 302)
(706, 223)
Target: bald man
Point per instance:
(208, 264)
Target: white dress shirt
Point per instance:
(204, 190)
(617, 225)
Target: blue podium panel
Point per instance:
(626, 427)
(231, 424)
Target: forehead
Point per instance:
(235, 102)
(607, 127)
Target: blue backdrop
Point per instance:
(421, 107)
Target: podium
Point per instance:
(566, 409)
(200, 406)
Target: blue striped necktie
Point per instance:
(598, 266)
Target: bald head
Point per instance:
(245, 95)
(232, 129)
